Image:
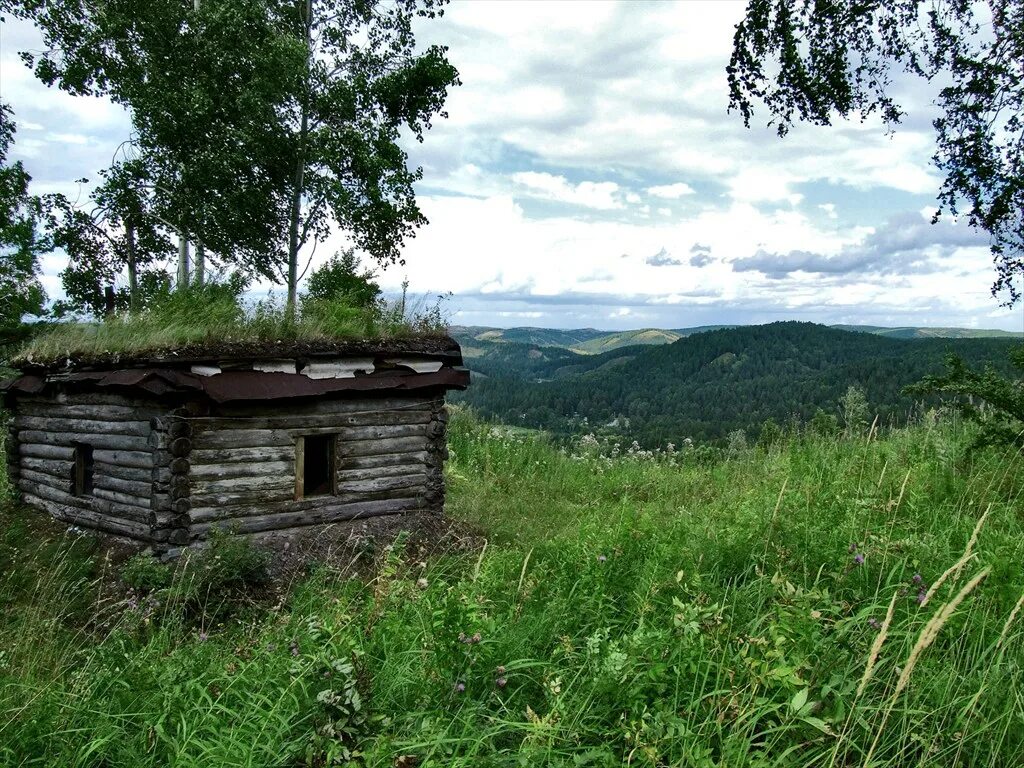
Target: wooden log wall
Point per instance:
(124, 439)
(389, 455)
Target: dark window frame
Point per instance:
(316, 460)
(83, 470)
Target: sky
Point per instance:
(589, 174)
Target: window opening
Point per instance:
(81, 480)
(315, 455)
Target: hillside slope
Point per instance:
(708, 384)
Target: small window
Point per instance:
(314, 466)
(81, 479)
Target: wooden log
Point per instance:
(378, 447)
(383, 484)
(179, 428)
(135, 474)
(104, 441)
(180, 466)
(362, 405)
(32, 486)
(252, 438)
(241, 438)
(383, 460)
(96, 398)
(63, 452)
(83, 426)
(346, 476)
(243, 502)
(181, 447)
(134, 488)
(241, 455)
(127, 499)
(53, 467)
(240, 469)
(289, 420)
(140, 459)
(272, 482)
(88, 519)
(47, 409)
(201, 526)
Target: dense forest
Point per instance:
(709, 384)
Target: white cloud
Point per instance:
(590, 194)
(671, 191)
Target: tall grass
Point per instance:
(216, 315)
(644, 609)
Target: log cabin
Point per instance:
(162, 449)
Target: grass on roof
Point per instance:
(215, 317)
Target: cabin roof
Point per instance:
(231, 371)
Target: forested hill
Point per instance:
(709, 384)
(477, 340)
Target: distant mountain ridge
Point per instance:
(591, 341)
(707, 384)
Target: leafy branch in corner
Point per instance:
(1002, 421)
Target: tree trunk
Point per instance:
(200, 272)
(133, 268)
(295, 214)
(183, 261)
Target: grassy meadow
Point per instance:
(816, 602)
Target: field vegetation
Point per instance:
(346, 306)
(839, 600)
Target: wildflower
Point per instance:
(294, 648)
(874, 623)
(475, 638)
(422, 583)
(917, 578)
(853, 547)
(858, 559)
(601, 558)
(203, 637)
(922, 596)
(501, 682)
(459, 687)
(271, 647)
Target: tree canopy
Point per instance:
(260, 126)
(21, 292)
(816, 60)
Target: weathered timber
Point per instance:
(84, 426)
(248, 500)
(239, 469)
(87, 518)
(180, 447)
(286, 519)
(180, 466)
(273, 482)
(300, 421)
(383, 460)
(179, 428)
(336, 406)
(33, 487)
(127, 499)
(141, 459)
(251, 438)
(139, 490)
(377, 447)
(85, 404)
(201, 456)
(108, 442)
(347, 476)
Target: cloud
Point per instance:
(589, 194)
(700, 260)
(906, 244)
(671, 191)
(662, 259)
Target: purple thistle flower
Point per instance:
(203, 637)
(459, 687)
(501, 682)
(858, 559)
(922, 596)
(853, 548)
(475, 638)
(917, 578)
(873, 623)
